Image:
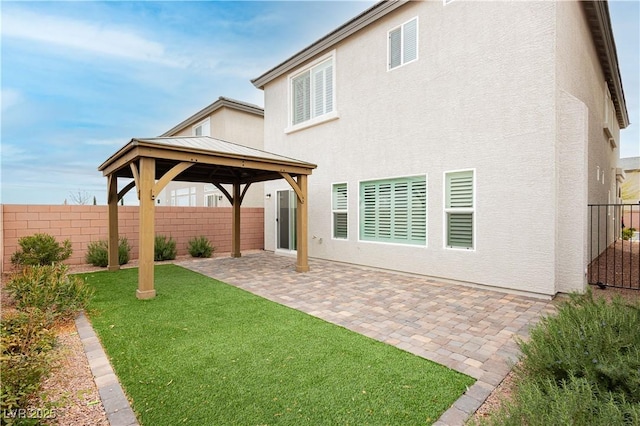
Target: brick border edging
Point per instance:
(114, 401)
(465, 406)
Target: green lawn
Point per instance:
(207, 353)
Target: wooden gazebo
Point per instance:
(154, 162)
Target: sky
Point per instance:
(80, 79)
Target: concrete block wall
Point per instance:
(84, 224)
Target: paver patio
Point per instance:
(467, 329)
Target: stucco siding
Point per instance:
(481, 96)
(572, 214)
(580, 74)
(229, 125)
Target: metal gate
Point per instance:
(614, 245)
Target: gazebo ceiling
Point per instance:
(213, 160)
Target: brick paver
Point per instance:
(468, 329)
(116, 405)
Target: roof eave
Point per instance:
(119, 153)
(599, 22)
(208, 110)
(370, 15)
(193, 150)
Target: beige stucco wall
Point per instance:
(481, 96)
(234, 126)
(578, 73)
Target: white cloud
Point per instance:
(10, 97)
(84, 35)
(13, 154)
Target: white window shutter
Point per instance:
(395, 48)
(328, 88)
(410, 41)
(318, 92)
(301, 86)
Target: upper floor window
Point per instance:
(403, 44)
(312, 94)
(203, 128)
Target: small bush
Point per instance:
(627, 233)
(200, 247)
(41, 249)
(574, 402)
(589, 339)
(98, 252)
(49, 289)
(25, 339)
(164, 249)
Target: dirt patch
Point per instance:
(69, 395)
(70, 388)
(618, 265)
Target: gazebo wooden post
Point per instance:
(112, 201)
(147, 171)
(235, 239)
(302, 226)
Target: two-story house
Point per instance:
(229, 120)
(460, 139)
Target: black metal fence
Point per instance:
(614, 245)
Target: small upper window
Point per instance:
(312, 92)
(203, 128)
(403, 44)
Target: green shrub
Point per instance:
(590, 339)
(574, 402)
(41, 249)
(627, 233)
(164, 249)
(25, 339)
(98, 252)
(200, 247)
(50, 289)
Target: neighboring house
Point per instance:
(229, 120)
(630, 190)
(459, 140)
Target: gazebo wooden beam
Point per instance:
(235, 221)
(126, 189)
(302, 213)
(200, 158)
(112, 202)
(146, 230)
(169, 176)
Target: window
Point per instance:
(202, 129)
(394, 210)
(339, 207)
(459, 209)
(212, 200)
(312, 92)
(183, 197)
(403, 44)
